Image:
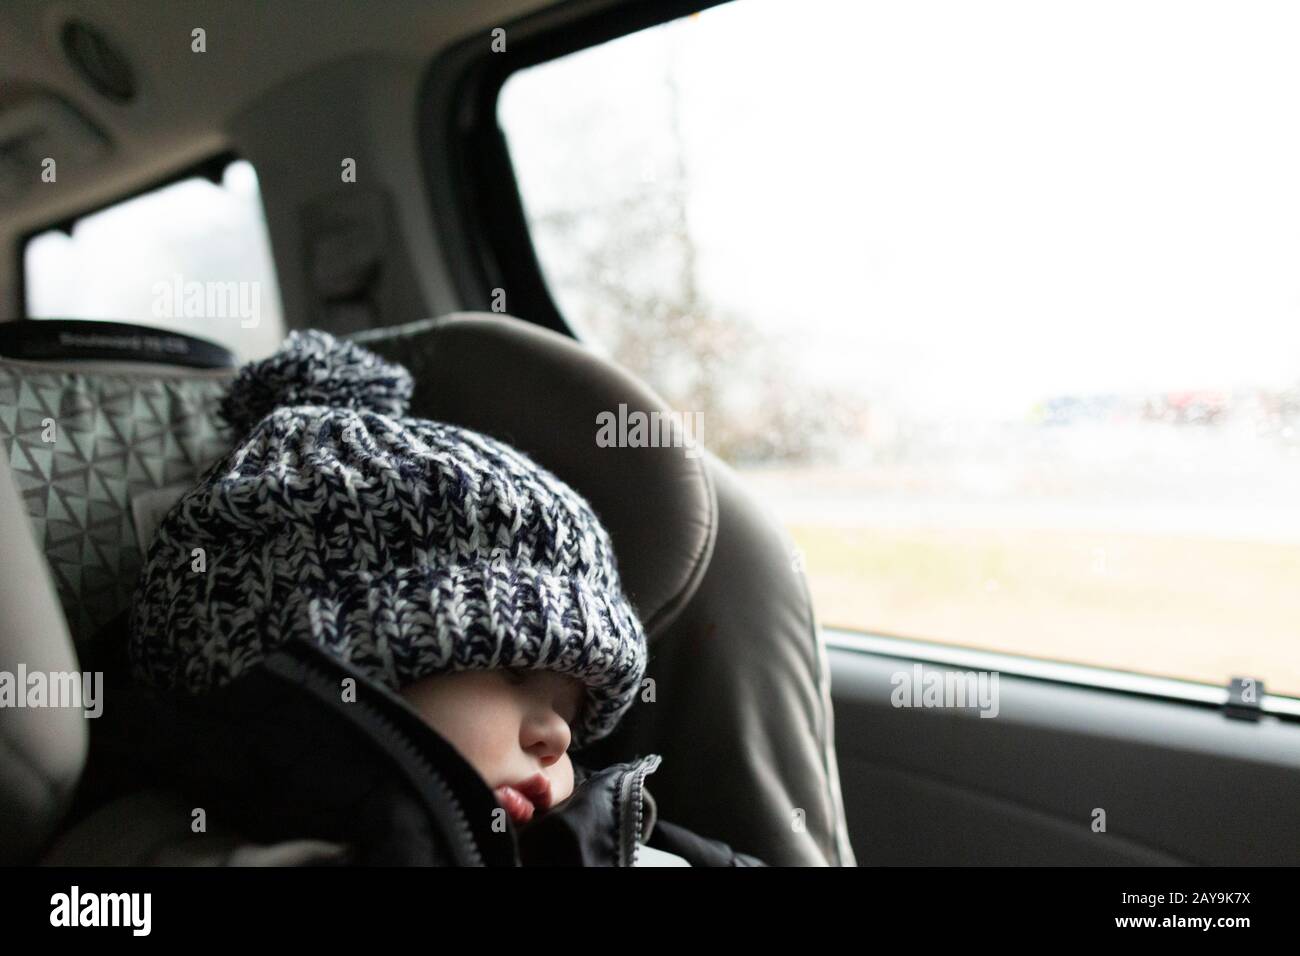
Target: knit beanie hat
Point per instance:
(406, 547)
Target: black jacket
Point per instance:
(278, 755)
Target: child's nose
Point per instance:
(547, 737)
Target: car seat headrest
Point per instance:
(542, 393)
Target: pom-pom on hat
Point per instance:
(406, 547)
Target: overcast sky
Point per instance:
(971, 206)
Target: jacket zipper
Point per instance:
(631, 822)
(469, 846)
(324, 687)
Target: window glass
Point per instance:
(191, 257)
(997, 304)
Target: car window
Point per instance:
(192, 257)
(995, 304)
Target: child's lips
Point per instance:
(525, 799)
(516, 804)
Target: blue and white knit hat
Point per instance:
(406, 547)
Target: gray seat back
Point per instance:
(42, 750)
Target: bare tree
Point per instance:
(634, 279)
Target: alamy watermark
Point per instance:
(53, 689)
(638, 429)
(130, 910)
(946, 688)
(180, 299)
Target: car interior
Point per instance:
(394, 215)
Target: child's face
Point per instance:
(513, 726)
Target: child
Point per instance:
(416, 570)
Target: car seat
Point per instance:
(741, 704)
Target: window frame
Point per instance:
(472, 187)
